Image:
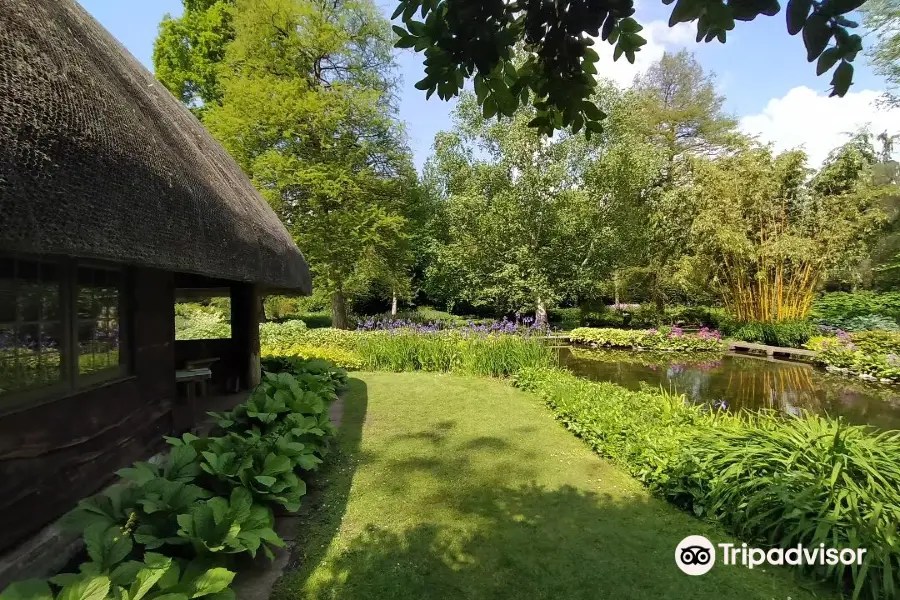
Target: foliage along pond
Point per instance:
(742, 382)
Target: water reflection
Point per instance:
(743, 382)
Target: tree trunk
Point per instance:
(339, 310)
(394, 304)
(616, 290)
(540, 313)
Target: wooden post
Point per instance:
(245, 333)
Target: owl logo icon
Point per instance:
(695, 555)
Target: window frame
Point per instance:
(71, 382)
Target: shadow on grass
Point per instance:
(450, 510)
(322, 509)
(529, 542)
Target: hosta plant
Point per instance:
(250, 462)
(275, 399)
(230, 526)
(108, 575)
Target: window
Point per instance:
(59, 325)
(31, 328)
(97, 320)
(202, 314)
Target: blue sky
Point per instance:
(761, 70)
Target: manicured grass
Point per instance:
(460, 487)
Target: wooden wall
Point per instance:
(58, 452)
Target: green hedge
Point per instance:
(665, 338)
(173, 529)
(772, 480)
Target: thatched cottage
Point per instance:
(113, 200)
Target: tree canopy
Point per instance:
(540, 51)
(300, 92)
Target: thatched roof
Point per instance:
(99, 160)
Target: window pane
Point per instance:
(29, 296)
(7, 304)
(30, 325)
(9, 371)
(98, 321)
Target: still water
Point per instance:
(743, 383)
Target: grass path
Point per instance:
(450, 487)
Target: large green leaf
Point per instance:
(796, 14)
(212, 581)
(816, 34)
(90, 588)
(32, 589)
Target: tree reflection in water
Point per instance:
(743, 383)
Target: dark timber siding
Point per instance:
(58, 452)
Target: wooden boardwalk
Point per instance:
(737, 346)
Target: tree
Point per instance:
(188, 50)
(486, 40)
(301, 97)
(882, 18)
(516, 231)
(671, 115)
(768, 238)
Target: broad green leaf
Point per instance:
(212, 581)
(816, 34)
(92, 588)
(146, 579)
(33, 589)
(125, 573)
(241, 502)
(796, 14)
(842, 79)
(266, 480)
(827, 60)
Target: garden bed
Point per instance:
(664, 339)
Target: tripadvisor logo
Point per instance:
(696, 555)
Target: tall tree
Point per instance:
(513, 213)
(676, 111)
(302, 99)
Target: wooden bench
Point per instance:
(193, 382)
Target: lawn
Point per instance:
(460, 487)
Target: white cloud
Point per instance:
(660, 38)
(803, 118)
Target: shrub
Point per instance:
(565, 318)
(280, 337)
(867, 353)
(770, 479)
(869, 323)
(195, 321)
(786, 334)
(208, 498)
(839, 309)
(665, 338)
(346, 359)
(271, 333)
(317, 320)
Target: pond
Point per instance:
(743, 382)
